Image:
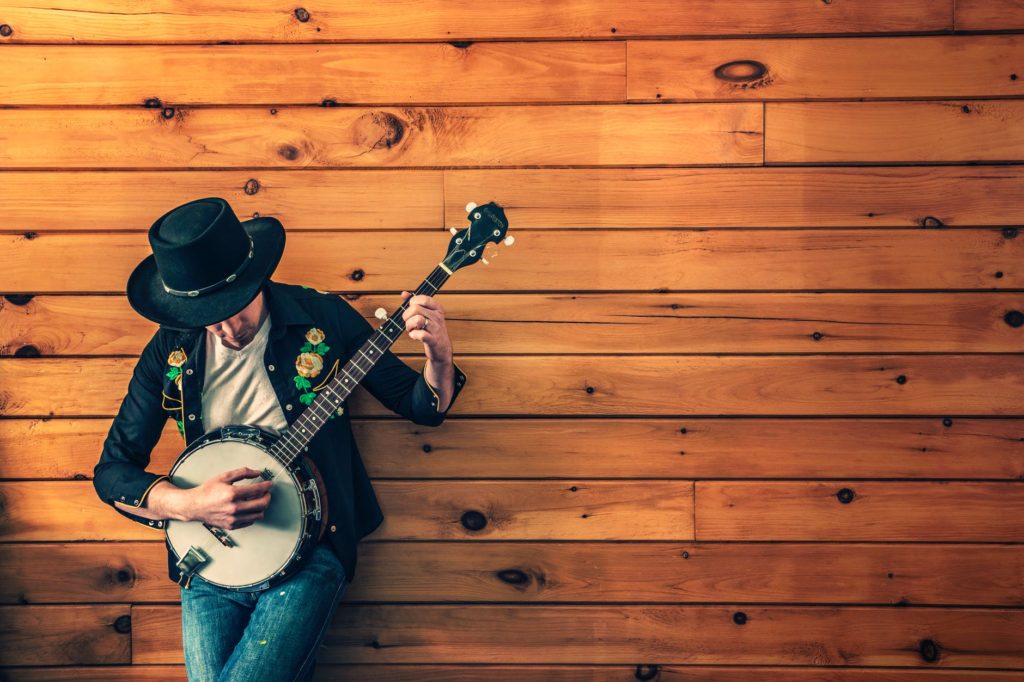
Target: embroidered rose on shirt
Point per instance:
(310, 362)
(176, 359)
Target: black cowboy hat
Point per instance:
(206, 265)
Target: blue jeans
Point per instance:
(268, 635)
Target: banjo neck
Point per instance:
(296, 438)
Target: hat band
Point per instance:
(216, 285)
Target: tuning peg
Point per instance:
(510, 240)
(453, 230)
(470, 206)
(380, 314)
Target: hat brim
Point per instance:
(146, 295)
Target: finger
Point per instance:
(253, 491)
(238, 474)
(251, 506)
(423, 336)
(428, 302)
(415, 322)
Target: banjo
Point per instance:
(271, 549)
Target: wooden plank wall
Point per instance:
(744, 399)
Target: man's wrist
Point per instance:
(167, 501)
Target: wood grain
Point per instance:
(403, 20)
(730, 448)
(549, 572)
(359, 137)
(407, 73)
(720, 260)
(543, 199)
(906, 67)
(859, 510)
(872, 385)
(65, 635)
(450, 510)
(987, 15)
(769, 635)
(894, 132)
(514, 324)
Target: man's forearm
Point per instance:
(441, 375)
(165, 501)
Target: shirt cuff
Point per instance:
(134, 498)
(431, 396)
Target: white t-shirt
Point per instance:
(236, 388)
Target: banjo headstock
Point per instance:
(487, 225)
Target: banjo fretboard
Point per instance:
(296, 438)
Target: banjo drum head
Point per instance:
(259, 550)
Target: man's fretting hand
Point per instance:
(424, 321)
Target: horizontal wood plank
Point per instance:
(860, 510)
(891, 385)
(722, 260)
(541, 199)
(596, 323)
(343, 137)
(400, 20)
(529, 673)
(894, 132)
(134, 200)
(65, 635)
(511, 510)
(989, 15)
(824, 68)
(424, 73)
(768, 635)
(551, 572)
(932, 448)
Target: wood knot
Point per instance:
(514, 576)
(845, 496)
(252, 186)
(357, 275)
(739, 618)
(18, 299)
(123, 624)
(302, 14)
(168, 112)
(1010, 232)
(1014, 318)
(153, 103)
(427, 447)
(27, 351)
(6, 30)
(947, 422)
(929, 650)
(288, 151)
(745, 73)
(461, 44)
(473, 520)
(931, 221)
(379, 130)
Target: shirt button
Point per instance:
(270, 367)
(333, 528)
(188, 371)
(191, 417)
(288, 407)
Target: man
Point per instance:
(235, 347)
